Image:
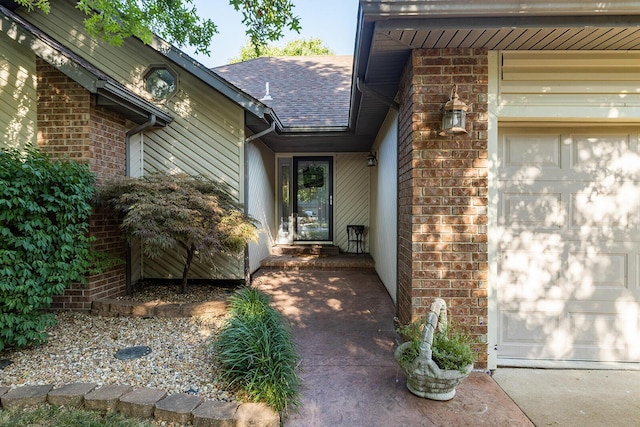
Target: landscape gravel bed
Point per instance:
(82, 348)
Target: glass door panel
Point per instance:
(286, 233)
(313, 199)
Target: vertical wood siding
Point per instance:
(206, 137)
(261, 197)
(384, 214)
(17, 94)
(351, 197)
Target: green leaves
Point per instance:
(266, 20)
(298, 47)
(194, 213)
(44, 242)
(178, 21)
(451, 349)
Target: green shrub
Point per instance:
(44, 245)
(257, 353)
(451, 349)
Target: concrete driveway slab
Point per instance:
(563, 397)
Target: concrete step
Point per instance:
(319, 262)
(314, 249)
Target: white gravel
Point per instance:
(82, 348)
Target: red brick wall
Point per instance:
(63, 114)
(71, 125)
(443, 190)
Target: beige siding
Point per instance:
(206, 137)
(351, 196)
(171, 266)
(261, 196)
(570, 78)
(18, 119)
(384, 213)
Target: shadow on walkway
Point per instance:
(343, 326)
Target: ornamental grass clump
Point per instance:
(256, 351)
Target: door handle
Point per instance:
(331, 200)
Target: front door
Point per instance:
(305, 200)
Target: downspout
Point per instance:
(136, 130)
(262, 133)
(140, 128)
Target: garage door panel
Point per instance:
(568, 250)
(598, 275)
(615, 208)
(569, 335)
(583, 155)
(543, 151)
(530, 328)
(527, 157)
(534, 209)
(529, 276)
(600, 155)
(534, 335)
(589, 206)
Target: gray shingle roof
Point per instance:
(306, 91)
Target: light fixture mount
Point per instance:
(372, 160)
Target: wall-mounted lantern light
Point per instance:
(372, 160)
(454, 114)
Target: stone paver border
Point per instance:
(143, 403)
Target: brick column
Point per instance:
(442, 241)
(71, 125)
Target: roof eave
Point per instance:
(244, 100)
(462, 8)
(136, 108)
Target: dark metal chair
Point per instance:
(355, 234)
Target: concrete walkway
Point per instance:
(343, 325)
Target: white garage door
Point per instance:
(569, 244)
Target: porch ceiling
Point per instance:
(389, 30)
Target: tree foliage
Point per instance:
(298, 47)
(178, 21)
(44, 242)
(190, 212)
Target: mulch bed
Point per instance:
(169, 291)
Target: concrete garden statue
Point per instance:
(435, 359)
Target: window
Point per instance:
(161, 82)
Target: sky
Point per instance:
(332, 21)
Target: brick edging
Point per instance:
(144, 403)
